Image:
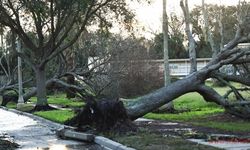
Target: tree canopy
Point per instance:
(47, 28)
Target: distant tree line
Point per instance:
(177, 37)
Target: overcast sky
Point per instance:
(149, 15)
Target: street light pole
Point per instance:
(20, 82)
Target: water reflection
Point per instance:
(73, 147)
(58, 147)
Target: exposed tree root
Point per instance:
(103, 115)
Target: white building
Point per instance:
(181, 67)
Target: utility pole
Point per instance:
(20, 101)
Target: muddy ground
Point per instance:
(183, 129)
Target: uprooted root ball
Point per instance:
(103, 115)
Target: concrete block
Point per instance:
(66, 133)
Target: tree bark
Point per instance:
(193, 83)
(165, 45)
(221, 30)
(191, 41)
(41, 87)
(207, 31)
(140, 106)
(70, 93)
(167, 79)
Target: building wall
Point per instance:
(180, 67)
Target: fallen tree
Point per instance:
(196, 83)
(105, 115)
(231, 54)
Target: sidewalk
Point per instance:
(33, 134)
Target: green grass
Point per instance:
(194, 104)
(185, 116)
(227, 126)
(200, 110)
(11, 105)
(26, 107)
(59, 116)
(60, 99)
(192, 101)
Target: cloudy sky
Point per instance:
(149, 15)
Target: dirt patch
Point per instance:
(7, 145)
(146, 140)
(176, 129)
(187, 129)
(225, 117)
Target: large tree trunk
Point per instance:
(70, 93)
(194, 83)
(140, 106)
(41, 88)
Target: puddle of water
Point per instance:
(169, 124)
(72, 147)
(178, 129)
(224, 144)
(143, 119)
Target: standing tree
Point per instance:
(207, 31)
(167, 79)
(52, 22)
(220, 27)
(8, 63)
(191, 41)
(175, 41)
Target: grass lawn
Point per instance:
(237, 126)
(199, 111)
(59, 116)
(196, 108)
(60, 99)
(197, 114)
(11, 105)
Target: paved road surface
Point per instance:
(33, 134)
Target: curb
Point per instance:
(112, 145)
(105, 143)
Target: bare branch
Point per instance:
(234, 78)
